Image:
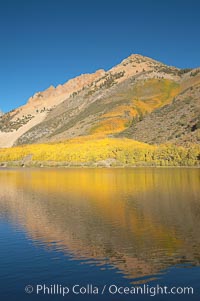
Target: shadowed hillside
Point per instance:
(177, 122)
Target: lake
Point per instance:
(86, 230)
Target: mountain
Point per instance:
(140, 98)
(177, 122)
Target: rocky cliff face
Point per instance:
(102, 103)
(17, 122)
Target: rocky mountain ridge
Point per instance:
(108, 103)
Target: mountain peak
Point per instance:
(138, 59)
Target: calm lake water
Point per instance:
(126, 227)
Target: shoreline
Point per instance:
(44, 165)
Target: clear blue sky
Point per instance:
(44, 42)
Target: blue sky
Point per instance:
(46, 42)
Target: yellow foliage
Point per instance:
(110, 125)
(157, 90)
(87, 150)
(121, 111)
(143, 98)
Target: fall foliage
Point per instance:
(90, 151)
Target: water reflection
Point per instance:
(141, 221)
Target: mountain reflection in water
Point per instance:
(140, 221)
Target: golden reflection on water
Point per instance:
(141, 221)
